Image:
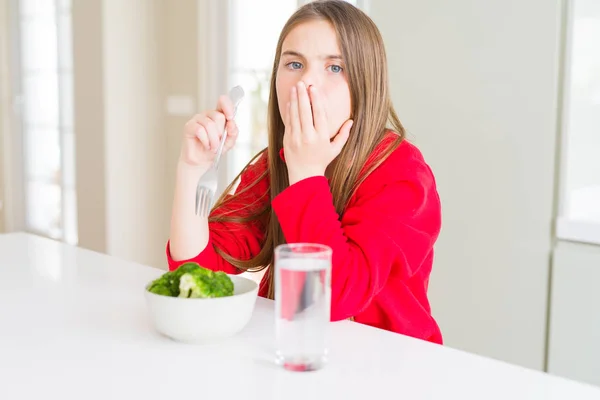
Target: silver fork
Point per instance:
(207, 184)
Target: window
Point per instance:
(46, 118)
(580, 185)
(251, 59)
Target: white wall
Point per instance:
(11, 179)
(121, 143)
(128, 57)
(180, 73)
(89, 123)
(135, 141)
(574, 350)
(4, 103)
(475, 82)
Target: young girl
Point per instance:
(333, 174)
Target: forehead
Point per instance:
(312, 38)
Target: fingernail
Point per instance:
(293, 90)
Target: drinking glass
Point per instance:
(302, 305)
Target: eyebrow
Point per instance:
(297, 54)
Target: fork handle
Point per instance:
(235, 94)
(220, 150)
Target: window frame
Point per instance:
(566, 228)
(15, 157)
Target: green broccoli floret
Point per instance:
(161, 286)
(190, 280)
(168, 283)
(203, 283)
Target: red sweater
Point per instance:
(382, 244)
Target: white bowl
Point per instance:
(203, 320)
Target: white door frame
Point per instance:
(11, 154)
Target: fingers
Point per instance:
(219, 119)
(288, 119)
(225, 106)
(287, 124)
(304, 108)
(338, 142)
(294, 117)
(207, 131)
(202, 136)
(223, 124)
(193, 129)
(219, 122)
(213, 133)
(232, 134)
(319, 114)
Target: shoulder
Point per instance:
(405, 163)
(402, 187)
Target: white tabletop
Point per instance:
(73, 325)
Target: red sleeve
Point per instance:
(239, 240)
(392, 222)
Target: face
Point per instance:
(310, 53)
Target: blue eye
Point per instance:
(336, 69)
(294, 65)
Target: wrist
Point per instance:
(184, 168)
(297, 176)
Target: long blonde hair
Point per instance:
(366, 70)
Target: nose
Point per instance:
(311, 77)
